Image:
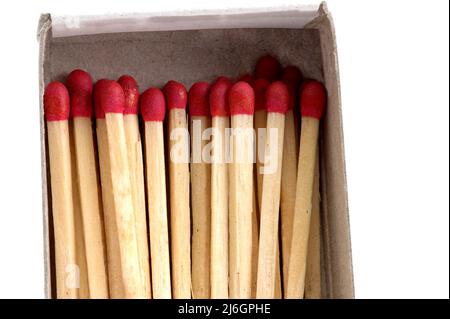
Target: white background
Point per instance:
(393, 59)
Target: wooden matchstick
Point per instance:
(220, 112)
(200, 120)
(292, 77)
(241, 100)
(79, 84)
(313, 280)
(116, 289)
(153, 108)
(277, 98)
(180, 225)
(258, 120)
(136, 165)
(56, 108)
(312, 104)
(110, 97)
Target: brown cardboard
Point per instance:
(154, 57)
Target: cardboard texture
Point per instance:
(221, 47)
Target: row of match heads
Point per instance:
(271, 88)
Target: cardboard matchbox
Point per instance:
(193, 46)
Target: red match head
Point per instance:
(222, 79)
(313, 98)
(277, 97)
(56, 102)
(199, 99)
(79, 84)
(241, 99)
(249, 78)
(131, 91)
(108, 98)
(267, 68)
(176, 95)
(218, 97)
(153, 105)
(260, 86)
(292, 74)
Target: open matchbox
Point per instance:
(193, 46)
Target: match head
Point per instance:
(222, 79)
(292, 75)
(153, 105)
(241, 99)
(108, 97)
(131, 91)
(199, 99)
(218, 97)
(249, 78)
(176, 95)
(260, 87)
(268, 68)
(277, 97)
(313, 98)
(56, 102)
(79, 84)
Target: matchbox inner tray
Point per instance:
(193, 46)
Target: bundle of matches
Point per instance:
(224, 204)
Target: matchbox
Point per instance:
(199, 46)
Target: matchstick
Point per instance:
(260, 86)
(277, 99)
(292, 77)
(313, 267)
(180, 225)
(79, 84)
(110, 97)
(116, 289)
(218, 99)
(136, 166)
(56, 108)
(200, 120)
(312, 105)
(258, 119)
(153, 108)
(241, 101)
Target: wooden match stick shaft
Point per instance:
(135, 161)
(80, 245)
(241, 201)
(260, 126)
(313, 265)
(267, 258)
(90, 208)
(219, 211)
(303, 205)
(288, 188)
(201, 210)
(116, 289)
(123, 201)
(157, 209)
(180, 210)
(255, 241)
(62, 209)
